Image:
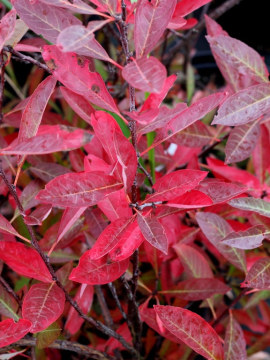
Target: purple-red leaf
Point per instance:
(78, 189)
(24, 260)
(247, 239)
(153, 232)
(244, 106)
(7, 25)
(97, 272)
(146, 74)
(11, 331)
(115, 205)
(44, 19)
(74, 73)
(193, 330)
(151, 20)
(6, 228)
(77, 6)
(215, 228)
(197, 289)
(42, 305)
(235, 344)
(258, 276)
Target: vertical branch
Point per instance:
(104, 307)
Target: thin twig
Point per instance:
(104, 307)
(146, 173)
(97, 324)
(61, 345)
(117, 301)
(10, 291)
(222, 9)
(26, 59)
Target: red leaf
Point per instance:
(11, 331)
(42, 305)
(193, 261)
(38, 215)
(146, 74)
(197, 289)
(24, 260)
(195, 135)
(78, 189)
(258, 276)
(247, 239)
(235, 344)
(46, 171)
(44, 19)
(260, 157)
(175, 184)
(191, 199)
(77, 6)
(78, 103)
(244, 106)
(110, 237)
(49, 139)
(151, 20)
(193, 330)
(215, 228)
(115, 205)
(185, 7)
(84, 299)
(7, 25)
(153, 232)
(97, 272)
(74, 73)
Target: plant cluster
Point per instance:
(135, 208)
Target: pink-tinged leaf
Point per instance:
(74, 73)
(11, 331)
(175, 184)
(251, 204)
(195, 135)
(77, 6)
(220, 191)
(177, 22)
(154, 100)
(193, 330)
(115, 205)
(97, 272)
(247, 239)
(241, 142)
(42, 305)
(38, 215)
(191, 199)
(84, 298)
(7, 228)
(49, 139)
(149, 316)
(239, 56)
(235, 344)
(110, 237)
(146, 74)
(95, 221)
(24, 260)
(215, 228)
(75, 37)
(244, 106)
(153, 232)
(189, 116)
(117, 147)
(69, 218)
(213, 28)
(193, 261)
(7, 25)
(47, 171)
(110, 5)
(151, 20)
(129, 242)
(260, 157)
(185, 7)
(197, 289)
(44, 19)
(78, 103)
(258, 276)
(78, 189)
(34, 110)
